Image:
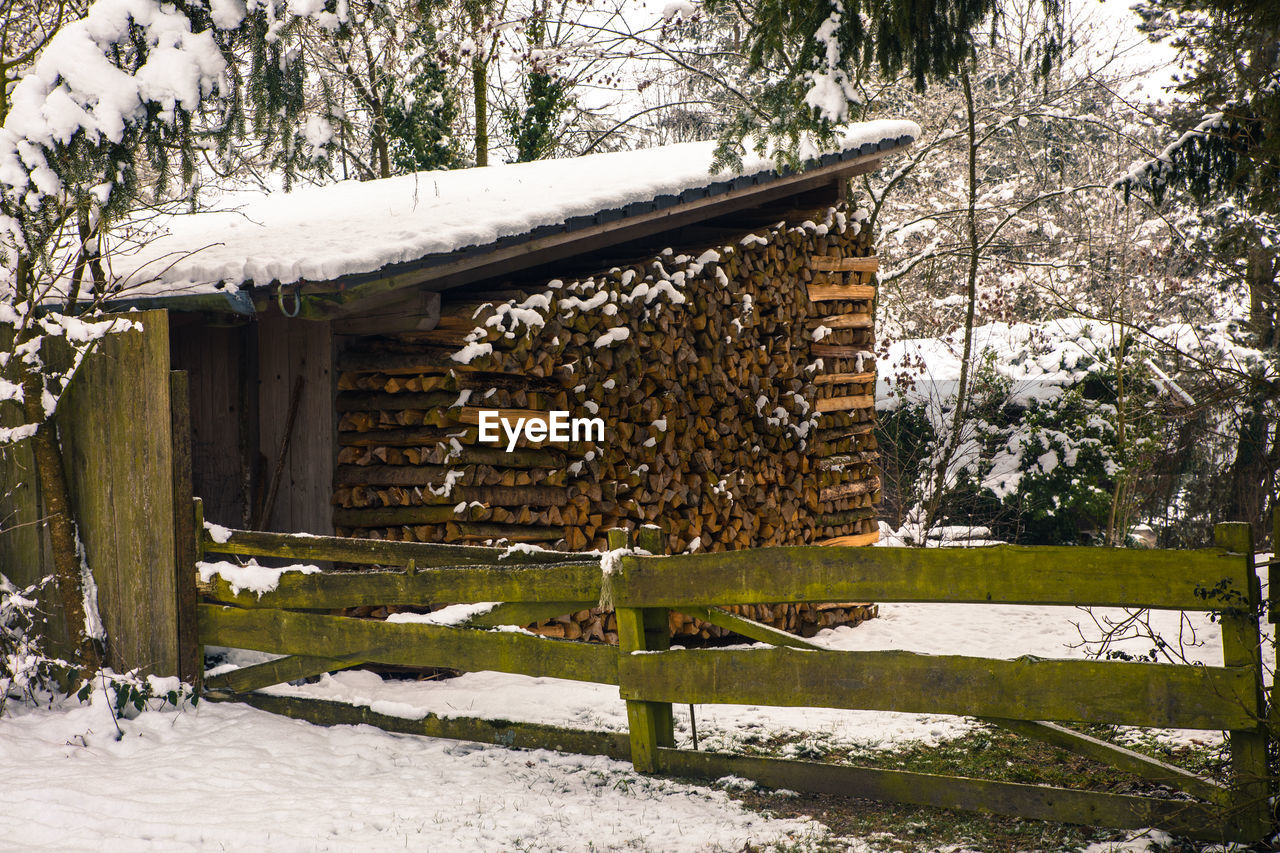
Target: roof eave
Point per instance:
(333, 298)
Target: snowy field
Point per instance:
(228, 777)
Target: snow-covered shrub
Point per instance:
(1069, 457)
(1054, 448)
(32, 675)
(27, 672)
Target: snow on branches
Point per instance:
(83, 85)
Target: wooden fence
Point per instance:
(1023, 695)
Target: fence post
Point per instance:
(644, 629)
(1242, 646)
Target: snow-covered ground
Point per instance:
(225, 776)
(229, 777)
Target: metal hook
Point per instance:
(297, 301)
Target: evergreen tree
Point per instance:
(421, 110)
(806, 59)
(1222, 177)
(535, 129)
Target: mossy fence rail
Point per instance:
(1031, 696)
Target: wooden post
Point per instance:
(116, 426)
(644, 629)
(1242, 646)
(186, 533)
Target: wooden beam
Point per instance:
(844, 321)
(454, 584)
(748, 628)
(418, 311)
(379, 552)
(1002, 574)
(1038, 802)
(826, 264)
(1078, 691)
(405, 643)
(471, 415)
(857, 540)
(846, 404)
(1117, 756)
(839, 351)
(840, 491)
(844, 378)
(834, 292)
(289, 668)
(526, 612)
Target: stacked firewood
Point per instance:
(735, 383)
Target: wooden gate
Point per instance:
(1031, 696)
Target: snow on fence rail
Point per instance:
(1017, 694)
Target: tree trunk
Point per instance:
(480, 83)
(961, 408)
(58, 517)
(480, 89)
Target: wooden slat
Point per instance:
(839, 351)
(278, 671)
(844, 378)
(405, 643)
(833, 292)
(846, 404)
(748, 628)
(1083, 691)
(1003, 574)
(1116, 756)
(253, 543)
(525, 613)
(457, 584)
(1040, 802)
(517, 496)
(845, 321)
(826, 264)
(512, 735)
(851, 489)
(857, 540)
(471, 415)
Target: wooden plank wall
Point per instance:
(116, 428)
(289, 349)
(219, 361)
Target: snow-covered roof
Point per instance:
(323, 234)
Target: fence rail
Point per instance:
(1020, 694)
